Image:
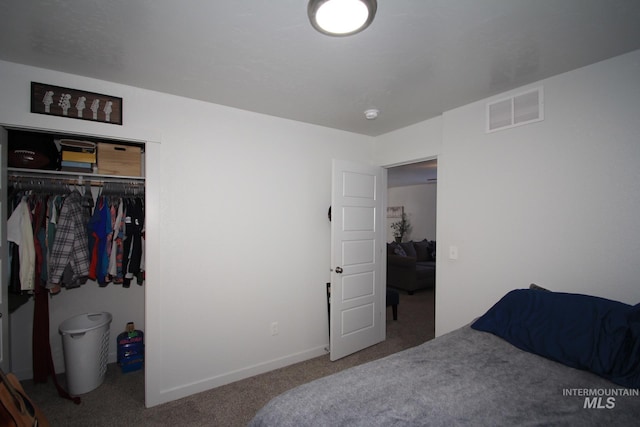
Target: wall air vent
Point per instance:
(520, 109)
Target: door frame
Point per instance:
(410, 162)
(153, 144)
(5, 337)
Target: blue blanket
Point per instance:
(580, 331)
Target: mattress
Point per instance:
(465, 377)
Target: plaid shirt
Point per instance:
(71, 244)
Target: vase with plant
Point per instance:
(401, 227)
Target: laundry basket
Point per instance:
(85, 345)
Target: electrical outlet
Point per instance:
(275, 329)
(453, 252)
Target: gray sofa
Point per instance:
(411, 266)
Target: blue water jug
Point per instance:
(131, 349)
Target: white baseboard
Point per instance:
(209, 383)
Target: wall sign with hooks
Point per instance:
(75, 104)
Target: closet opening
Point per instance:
(116, 277)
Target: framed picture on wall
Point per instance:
(395, 211)
(75, 104)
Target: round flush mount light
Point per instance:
(341, 17)
(371, 114)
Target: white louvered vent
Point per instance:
(520, 109)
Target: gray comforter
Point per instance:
(465, 377)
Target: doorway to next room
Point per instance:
(412, 196)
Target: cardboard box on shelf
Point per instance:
(121, 160)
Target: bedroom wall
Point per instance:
(554, 203)
(422, 141)
(237, 230)
(420, 204)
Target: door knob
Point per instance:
(339, 270)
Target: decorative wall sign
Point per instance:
(395, 211)
(76, 104)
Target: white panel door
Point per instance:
(4, 281)
(357, 311)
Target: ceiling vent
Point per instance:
(520, 109)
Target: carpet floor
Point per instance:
(119, 401)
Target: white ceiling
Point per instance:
(418, 58)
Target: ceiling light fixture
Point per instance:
(371, 114)
(341, 17)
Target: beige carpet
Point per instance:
(119, 401)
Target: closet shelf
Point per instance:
(70, 177)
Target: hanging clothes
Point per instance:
(134, 222)
(69, 259)
(42, 362)
(20, 231)
(40, 339)
(38, 209)
(141, 274)
(53, 212)
(117, 238)
(105, 244)
(18, 206)
(99, 229)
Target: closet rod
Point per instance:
(73, 178)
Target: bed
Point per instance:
(477, 376)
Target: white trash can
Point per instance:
(85, 345)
